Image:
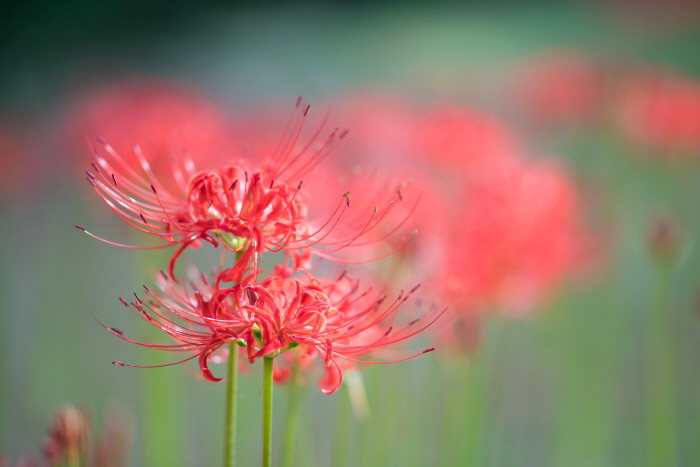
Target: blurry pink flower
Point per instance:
(560, 87)
(455, 136)
(661, 111)
(70, 441)
(520, 233)
(166, 120)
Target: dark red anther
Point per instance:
(429, 350)
(272, 182)
(299, 185)
(115, 330)
(91, 181)
(306, 110)
(124, 302)
(95, 167)
(118, 363)
(89, 174)
(251, 296)
(101, 140)
(143, 218)
(414, 289)
(343, 134)
(115, 180)
(81, 228)
(414, 321)
(346, 195)
(391, 328)
(233, 185)
(154, 189)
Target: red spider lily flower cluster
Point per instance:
(333, 320)
(250, 210)
(247, 210)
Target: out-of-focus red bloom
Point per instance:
(166, 120)
(454, 136)
(69, 437)
(333, 319)
(560, 87)
(661, 111)
(519, 233)
(69, 441)
(199, 316)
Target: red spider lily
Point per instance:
(201, 318)
(245, 209)
(333, 319)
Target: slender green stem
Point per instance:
(231, 403)
(343, 423)
(290, 434)
(661, 406)
(267, 412)
(454, 407)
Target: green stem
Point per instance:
(292, 417)
(661, 406)
(267, 412)
(231, 394)
(343, 423)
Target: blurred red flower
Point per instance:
(661, 111)
(166, 120)
(560, 87)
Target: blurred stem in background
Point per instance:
(660, 397)
(475, 400)
(163, 424)
(290, 432)
(457, 379)
(343, 421)
(162, 417)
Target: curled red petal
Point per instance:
(333, 378)
(204, 365)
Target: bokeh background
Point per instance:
(600, 370)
